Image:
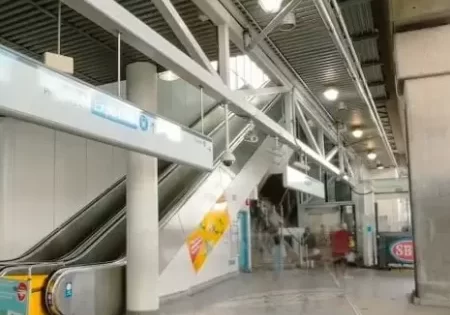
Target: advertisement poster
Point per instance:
(210, 231)
(395, 249)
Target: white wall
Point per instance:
(217, 264)
(46, 177)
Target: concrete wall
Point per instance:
(423, 66)
(428, 117)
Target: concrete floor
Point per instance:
(307, 293)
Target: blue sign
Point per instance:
(143, 123)
(14, 297)
(369, 228)
(68, 290)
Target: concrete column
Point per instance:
(142, 204)
(423, 68)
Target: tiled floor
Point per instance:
(302, 292)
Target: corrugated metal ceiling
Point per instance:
(30, 27)
(310, 50)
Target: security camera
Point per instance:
(228, 158)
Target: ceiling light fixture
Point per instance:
(331, 94)
(345, 177)
(371, 155)
(270, 6)
(168, 76)
(380, 166)
(357, 132)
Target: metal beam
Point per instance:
(289, 116)
(376, 83)
(264, 91)
(223, 37)
(225, 11)
(365, 36)
(181, 30)
(306, 128)
(371, 63)
(330, 155)
(273, 23)
(321, 141)
(348, 3)
(349, 166)
(338, 29)
(114, 18)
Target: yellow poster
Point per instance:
(209, 232)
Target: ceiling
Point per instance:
(30, 27)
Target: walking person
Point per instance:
(278, 256)
(309, 242)
(324, 245)
(340, 247)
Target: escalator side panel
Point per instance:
(173, 234)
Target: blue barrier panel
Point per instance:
(14, 297)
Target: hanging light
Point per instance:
(371, 155)
(270, 6)
(331, 94)
(357, 132)
(168, 76)
(380, 166)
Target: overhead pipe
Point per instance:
(353, 65)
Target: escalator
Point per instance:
(76, 230)
(108, 242)
(111, 274)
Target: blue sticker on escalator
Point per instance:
(68, 290)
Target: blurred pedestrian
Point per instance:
(278, 256)
(340, 248)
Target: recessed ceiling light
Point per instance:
(357, 132)
(371, 155)
(270, 6)
(331, 94)
(168, 76)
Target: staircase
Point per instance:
(266, 223)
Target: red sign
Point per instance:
(403, 251)
(22, 291)
(194, 247)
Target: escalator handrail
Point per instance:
(178, 203)
(173, 166)
(77, 216)
(70, 257)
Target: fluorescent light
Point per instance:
(357, 132)
(270, 6)
(371, 155)
(331, 94)
(168, 76)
